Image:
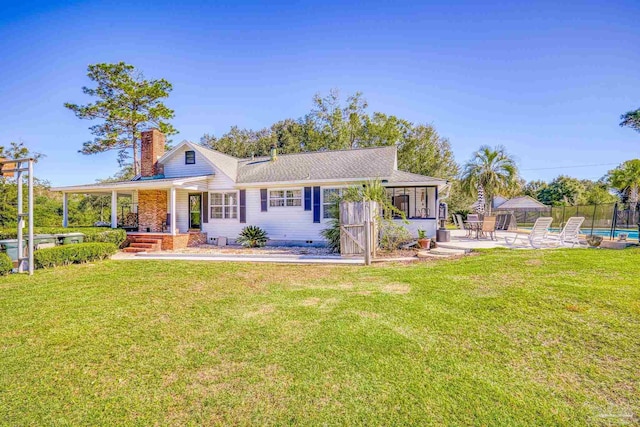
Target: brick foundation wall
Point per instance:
(172, 243)
(152, 210)
(197, 238)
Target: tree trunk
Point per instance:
(633, 197)
(136, 163)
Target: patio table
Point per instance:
(474, 226)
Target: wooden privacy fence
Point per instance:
(359, 229)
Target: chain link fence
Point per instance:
(607, 220)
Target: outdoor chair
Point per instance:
(570, 234)
(500, 220)
(455, 221)
(489, 227)
(538, 236)
(510, 223)
(471, 224)
(464, 225)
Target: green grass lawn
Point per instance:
(500, 338)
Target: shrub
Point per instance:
(91, 234)
(252, 236)
(73, 254)
(372, 191)
(5, 264)
(332, 235)
(393, 235)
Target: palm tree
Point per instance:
(489, 172)
(626, 179)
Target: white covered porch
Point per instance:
(157, 203)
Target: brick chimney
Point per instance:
(151, 149)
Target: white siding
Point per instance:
(175, 167)
(182, 208)
(286, 223)
(428, 225)
(290, 223)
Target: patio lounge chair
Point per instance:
(456, 223)
(570, 232)
(510, 223)
(538, 236)
(489, 227)
(462, 225)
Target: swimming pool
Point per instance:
(604, 232)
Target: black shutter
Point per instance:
(316, 204)
(205, 207)
(307, 198)
(243, 206)
(263, 199)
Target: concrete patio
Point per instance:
(459, 240)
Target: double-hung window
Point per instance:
(329, 197)
(285, 198)
(224, 205)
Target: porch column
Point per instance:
(172, 204)
(114, 209)
(65, 210)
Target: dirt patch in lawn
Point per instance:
(396, 288)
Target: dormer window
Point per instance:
(190, 157)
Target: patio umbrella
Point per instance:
(478, 206)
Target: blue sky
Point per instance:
(548, 80)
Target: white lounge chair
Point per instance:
(570, 234)
(538, 236)
(455, 222)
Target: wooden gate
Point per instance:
(358, 229)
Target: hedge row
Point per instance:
(73, 254)
(5, 264)
(92, 234)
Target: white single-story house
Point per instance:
(193, 189)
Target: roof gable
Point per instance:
(222, 162)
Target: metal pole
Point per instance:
(614, 220)
(30, 243)
(65, 210)
(20, 219)
(367, 230)
(593, 218)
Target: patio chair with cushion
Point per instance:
(489, 227)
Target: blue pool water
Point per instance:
(632, 234)
(604, 232)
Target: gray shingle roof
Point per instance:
(368, 163)
(523, 202)
(227, 164)
(408, 177)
